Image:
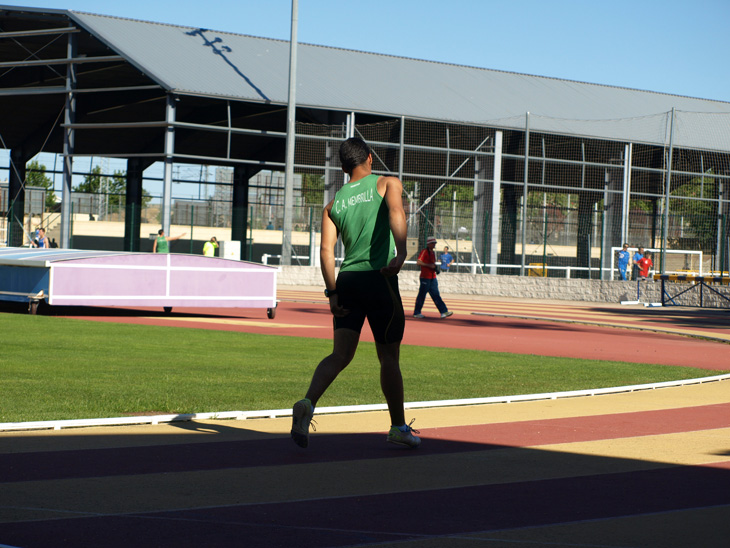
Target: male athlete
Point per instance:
(161, 243)
(368, 213)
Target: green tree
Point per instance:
(312, 189)
(115, 187)
(35, 175)
(699, 215)
(464, 194)
(96, 183)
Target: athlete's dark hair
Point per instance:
(353, 152)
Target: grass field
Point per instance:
(59, 368)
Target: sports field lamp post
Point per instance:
(462, 230)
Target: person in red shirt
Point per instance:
(429, 283)
(645, 264)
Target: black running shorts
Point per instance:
(371, 295)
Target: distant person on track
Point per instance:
(210, 246)
(368, 213)
(161, 244)
(429, 284)
(623, 261)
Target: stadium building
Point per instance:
(519, 174)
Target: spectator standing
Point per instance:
(623, 261)
(210, 246)
(43, 239)
(446, 259)
(635, 261)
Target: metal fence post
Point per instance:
(665, 228)
(524, 192)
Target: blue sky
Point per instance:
(658, 45)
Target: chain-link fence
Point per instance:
(530, 197)
(524, 201)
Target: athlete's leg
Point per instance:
(391, 380)
(345, 345)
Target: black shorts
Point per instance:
(371, 295)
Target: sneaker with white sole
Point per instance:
(397, 436)
(447, 314)
(419, 316)
(302, 413)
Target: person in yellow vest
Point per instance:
(161, 245)
(210, 246)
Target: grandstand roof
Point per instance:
(222, 64)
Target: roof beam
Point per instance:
(41, 90)
(40, 32)
(63, 61)
(187, 125)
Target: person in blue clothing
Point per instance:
(623, 261)
(446, 259)
(43, 240)
(636, 269)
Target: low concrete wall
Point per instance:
(533, 287)
(502, 286)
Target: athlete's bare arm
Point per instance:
(391, 189)
(327, 258)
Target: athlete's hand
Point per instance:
(336, 309)
(393, 267)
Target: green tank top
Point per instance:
(162, 246)
(361, 216)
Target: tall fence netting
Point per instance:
(520, 196)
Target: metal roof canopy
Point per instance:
(234, 89)
(223, 96)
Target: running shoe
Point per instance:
(395, 435)
(301, 418)
(419, 316)
(447, 314)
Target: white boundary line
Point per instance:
(278, 413)
(76, 266)
(57, 298)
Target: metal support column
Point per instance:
(524, 194)
(496, 203)
(167, 171)
(667, 191)
(628, 152)
(68, 143)
(133, 205)
(239, 213)
(16, 197)
(286, 248)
